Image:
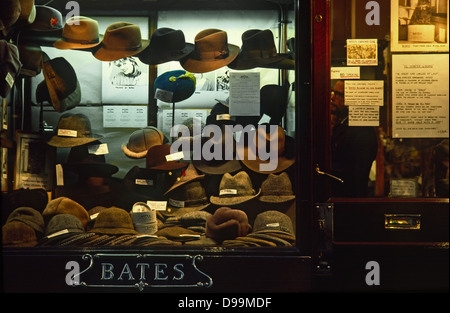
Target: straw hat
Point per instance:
(212, 51)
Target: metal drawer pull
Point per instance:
(402, 221)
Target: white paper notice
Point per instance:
(244, 94)
(125, 116)
(364, 92)
(420, 96)
(351, 72)
(367, 115)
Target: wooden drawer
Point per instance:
(390, 221)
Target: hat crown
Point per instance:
(211, 44)
(64, 205)
(81, 29)
(167, 39)
(240, 182)
(273, 221)
(47, 18)
(145, 138)
(256, 39)
(16, 233)
(191, 191)
(64, 221)
(122, 36)
(112, 218)
(28, 216)
(77, 122)
(277, 185)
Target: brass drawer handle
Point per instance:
(402, 221)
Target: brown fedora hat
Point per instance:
(212, 51)
(166, 44)
(141, 140)
(248, 154)
(188, 197)
(73, 130)
(121, 39)
(157, 159)
(235, 189)
(258, 48)
(79, 32)
(190, 174)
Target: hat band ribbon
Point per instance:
(218, 55)
(81, 41)
(263, 54)
(114, 48)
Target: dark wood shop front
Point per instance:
(391, 238)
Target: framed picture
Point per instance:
(35, 162)
(419, 25)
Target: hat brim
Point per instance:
(169, 166)
(92, 169)
(113, 231)
(217, 167)
(241, 63)
(104, 54)
(69, 142)
(178, 184)
(286, 64)
(174, 211)
(64, 44)
(202, 66)
(132, 154)
(232, 200)
(155, 57)
(276, 199)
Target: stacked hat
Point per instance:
(277, 188)
(176, 86)
(120, 40)
(113, 221)
(144, 219)
(60, 86)
(60, 227)
(264, 139)
(29, 216)
(64, 205)
(79, 32)
(195, 221)
(161, 157)
(178, 234)
(226, 224)
(141, 140)
(274, 226)
(18, 234)
(187, 197)
(73, 130)
(189, 175)
(93, 214)
(87, 163)
(235, 190)
(10, 66)
(211, 52)
(257, 50)
(166, 44)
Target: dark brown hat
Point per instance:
(73, 130)
(277, 189)
(29, 216)
(60, 86)
(9, 14)
(166, 44)
(190, 174)
(234, 190)
(258, 48)
(227, 223)
(31, 59)
(113, 221)
(141, 140)
(18, 234)
(64, 205)
(188, 197)
(10, 66)
(158, 158)
(211, 52)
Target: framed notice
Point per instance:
(34, 164)
(362, 52)
(420, 96)
(419, 26)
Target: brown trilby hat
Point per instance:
(277, 189)
(121, 39)
(18, 234)
(235, 189)
(156, 159)
(73, 130)
(258, 48)
(141, 140)
(211, 52)
(113, 221)
(166, 44)
(190, 174)
(64, 205)
(189, 197)
(79, 32)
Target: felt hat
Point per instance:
(276, 141)
(258, 48)
(31, 58)
(79, 32)
(63, 224)
(188, 197)
(10, 66)
(18, 234)
(29, 216)
(88, 164)
(273, 221)
(220, 114)
(28, 12)
(120, 40)
(190, 174)
(60, 86)
(227, 223)
(158, 158)
(144, 219)
(114, 221)
(47, 19)
(276, 189)
(9, 14)
(274, 101)
(166, 44)
(64, 205)
(73, 130)
(234, 190)
(211, 52)
(93, 213)
(223, 164)
(178, 233)
(179, 84)
(141, 140)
